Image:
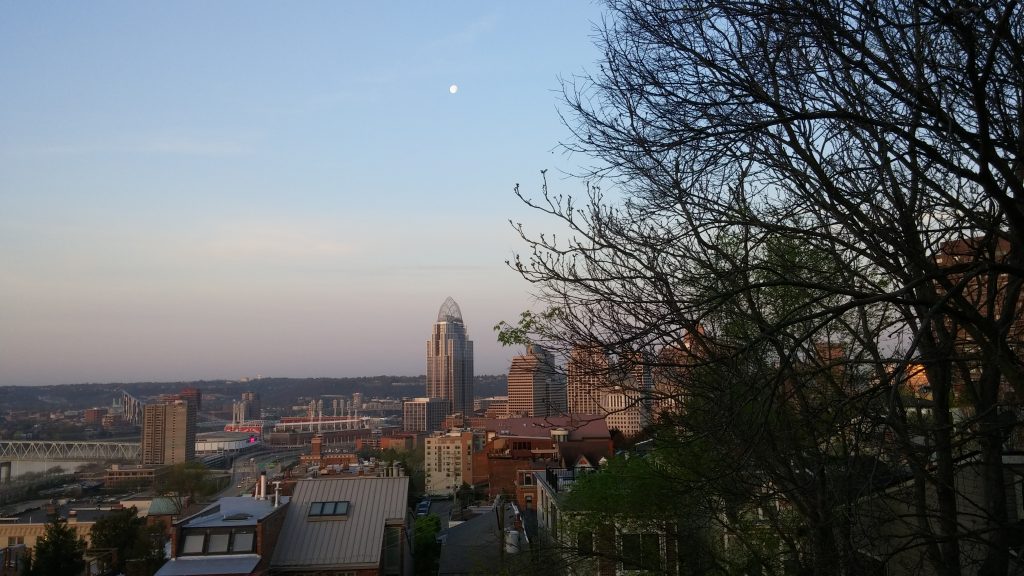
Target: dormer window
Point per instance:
(329, 510)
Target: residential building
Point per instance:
(535, 387)
(599, 543)
(27, 526)
(450, 360)
(448, 461)
(516, 448)
(423, 414)
(169, 432)
(342, 525)
(234, 535)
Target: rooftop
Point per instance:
(197, 565)
(349, 538)
(232, 511)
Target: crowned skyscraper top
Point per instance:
(450, 360)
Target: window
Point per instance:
(242, 542)
(338, 508)
(393, 550)
(193, 543)
(15, 540)
(585, 543)
(641, 552)
(218, 543)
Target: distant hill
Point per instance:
(272, 391)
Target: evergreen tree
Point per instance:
(60, 552)
(127, 533)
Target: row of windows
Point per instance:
(637, 551)
(219, 541)
(336, 508)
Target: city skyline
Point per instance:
(198, 191)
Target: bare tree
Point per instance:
(785, 175)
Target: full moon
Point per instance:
(453, 88)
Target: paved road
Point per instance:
(245, 473)
(443, 510)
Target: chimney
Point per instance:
(263, 485)
(277, 493)
(316, 447)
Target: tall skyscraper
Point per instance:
(588, 375)
(169, 432)
(450, 360)
(535, 388)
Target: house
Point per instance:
(26, 526)
(356, 526)
(594, 544)
(233, 536)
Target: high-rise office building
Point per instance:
(169, 432)
(620, 393)
(535, 388)
(587, 377)
(253, 410)
(193, 395)
(450, 360)
(423, 414)
(627, 404)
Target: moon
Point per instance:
(453, 88)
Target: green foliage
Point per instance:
(59, 551)
(529, 326)
(186, 482)
(412, 465)
(426, 549)
(128, 534)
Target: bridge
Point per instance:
(66, 451)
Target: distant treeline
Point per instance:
(272, 391)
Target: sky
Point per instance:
(206, 190)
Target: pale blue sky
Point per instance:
(224, 189)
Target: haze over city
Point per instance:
(197, 190)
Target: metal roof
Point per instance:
(197, 565)
(232, 511)
(355, 541)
